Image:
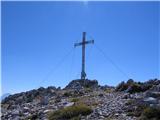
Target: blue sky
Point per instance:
(37, 35)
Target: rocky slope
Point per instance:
(128, 101)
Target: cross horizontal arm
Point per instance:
(81, 43)
(77, 44)
(90, 41)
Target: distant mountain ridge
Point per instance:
(4, 96)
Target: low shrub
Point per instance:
(150, 113)
(32, 117)
(129, 102)
(74, 99)
(70, 112)
(108, 90)
(76, 118)
(88, 89)
(122, 86)
(101, 95)
(130, 82)
(134, 87)
(130, 86)
(67, 94)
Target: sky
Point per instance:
(38, 43)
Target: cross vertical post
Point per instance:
(83, 44)
(83, 74)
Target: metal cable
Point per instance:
(112, 62)
(53, 70)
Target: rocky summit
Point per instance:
(80, 84)
(86, 100)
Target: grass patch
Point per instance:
(130, 102)
(70, 112)
(74, 100)
(108, 90)
(88, 89)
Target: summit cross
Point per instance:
(83, 44)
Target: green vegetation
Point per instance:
(130, 102)
(67, 94)
(74, 100)
(145, 113)
(130, 86)
(122, 86)
(134, 88)
(71, 112)
(76, 118)
(108, 90)
(136, 112)
(32, 117)
(151, 113)
(88, 89)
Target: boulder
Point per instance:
(151, 100)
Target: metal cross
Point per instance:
(83, 43)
